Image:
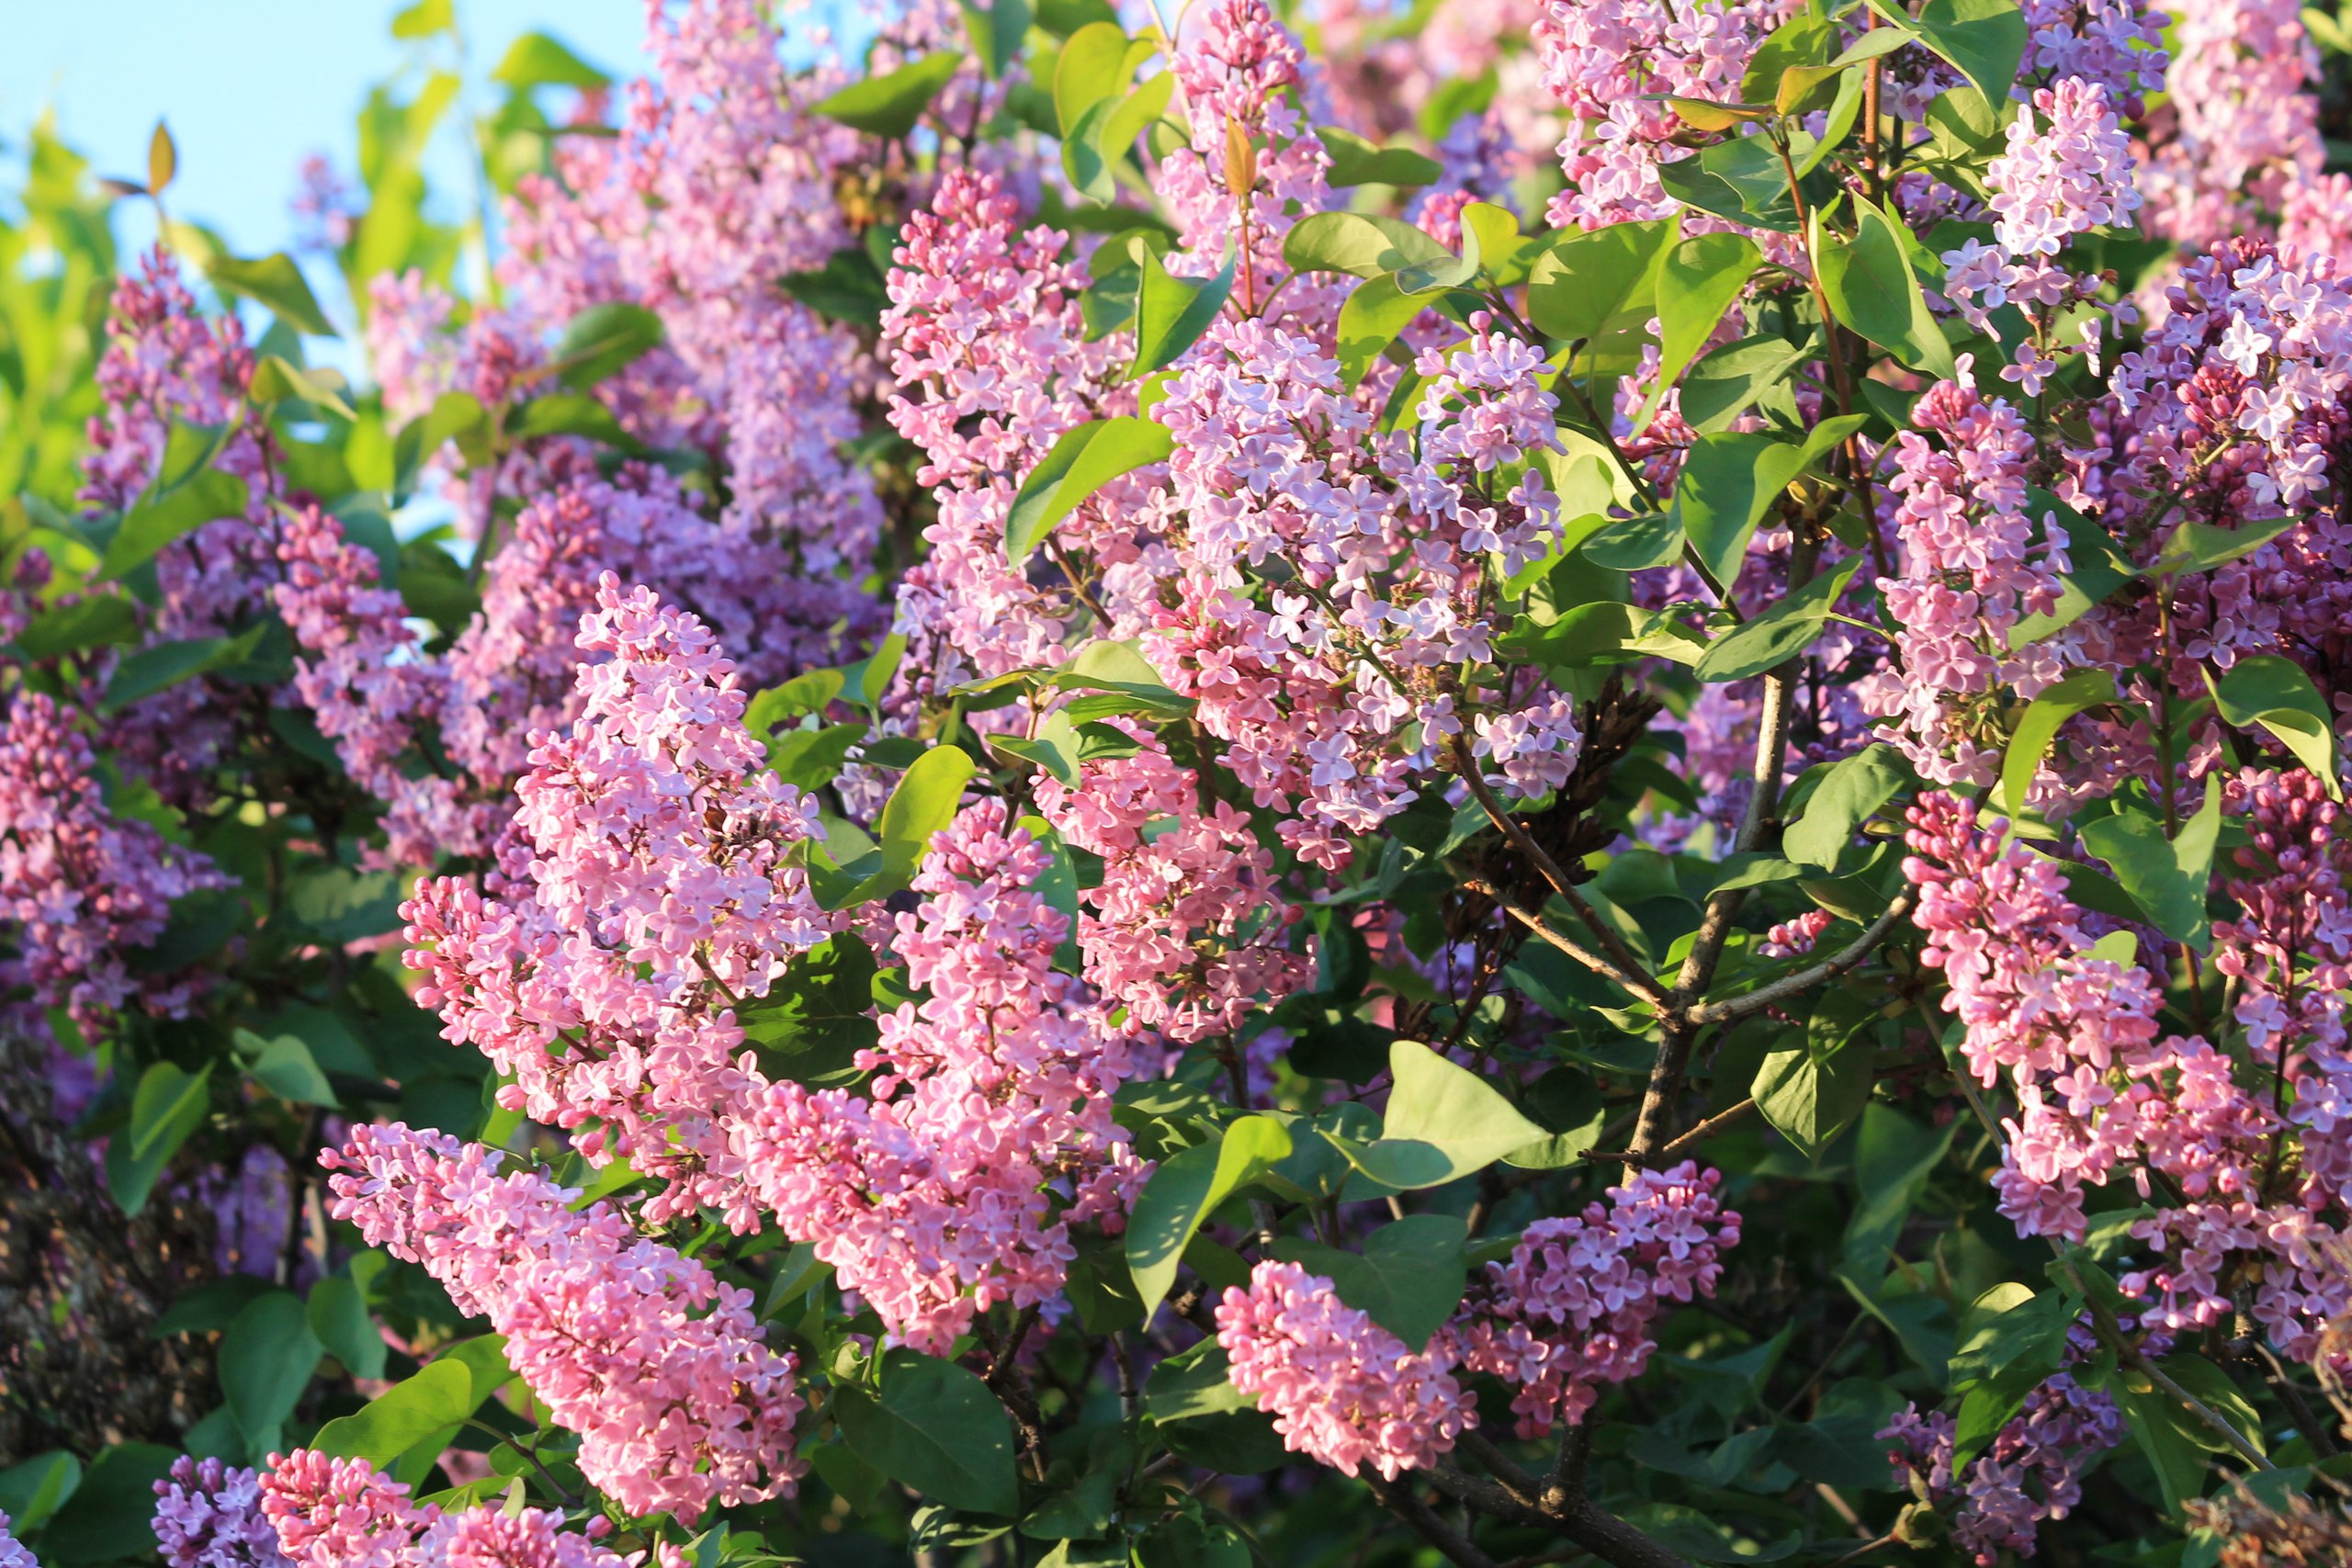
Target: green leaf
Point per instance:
(1733, 378)
(274, 281)
(425, 18)
(936, 1428)
(2168, 879)
(94, 621)
(1583, 282)
(2010, 1341)
(1186, 1189)
(1409, 1278)
(1779, 634)
(1631, 544)
(1730, 481)
(338, 1314)
(2275, 693)
(163, 665)
(1356, 161)
(2100, 569)
(1697, 283)
(889, 105)
(1443, 1121)
(108, 1518)
(163, 518)
(1097, 62)
(277, 379)
(1193, 1384)
(168, 1105)
(1605, 632)
(535, 60)
(31, 1492)
(1986, 39)
(2162, 1429)
(2043, 717)
(338, 904)
(817, 1015)
(1849, 791)
(603, 340)
(283, 1065)
(1106, 132)
(435, 1399)
(923, 805)
(1081, 462)
(1360, 244)
(1172, 313)
(1374, 313)
(1873, 290)
(1809, 1092)
(1893, 1158)
(2201, 546)
(266, 1359)
(811, 759)
(996, 31)
(1740, 179)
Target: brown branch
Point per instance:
(1853, 954)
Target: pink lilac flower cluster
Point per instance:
(1570, 1310)
(209, 1515)
(987, 1131)
(1342, 1390)
(344, 1513)
(2238, 126)
(1610, 63)
(1327, 691)
(720, 181)
(2234, 403)
(1251, 168)
(1572, 1307)
(992, 362)
(2031, 1472)
(81, 886)
(1188, 928)
(168, 366)
(649, 891)
(2100, 1093)
(1974, 561)
(655, 1363)
(2066, 170)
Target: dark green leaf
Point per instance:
(1779, 634)
(2168, 879)
(1729, 481)
(1810, 1091)
(108, 1517)
(164, 518)
(936, 1427)
(266, 1359)
(1697, 282)
(168, 1105)
(338, 1316)
(1849, 791)
(1183, 1191)
(1984, 39)
(815, 1016)
(94, 621)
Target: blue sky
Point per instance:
(249, 85)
